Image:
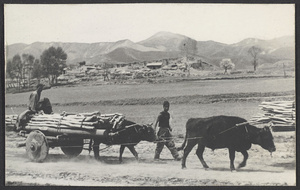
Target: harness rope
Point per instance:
(171, 138)
(236, 125)
(105, 148)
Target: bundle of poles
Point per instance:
(85, 124)
(280, 114)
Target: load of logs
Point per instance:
(279, 114)
(84, 124)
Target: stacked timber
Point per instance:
(60, 121)
(279, 114)
(84, 124)
(10, 122)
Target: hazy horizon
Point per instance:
(93, 23)
(142, 40)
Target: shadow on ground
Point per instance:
(241, 170)
(286, 165)
(112, 160)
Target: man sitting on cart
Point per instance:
(35, 105)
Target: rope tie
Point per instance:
(58, 125)
(82, 122)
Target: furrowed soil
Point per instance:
(241, 99)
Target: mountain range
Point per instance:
(164, 45)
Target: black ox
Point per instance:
(128, 135)
(221, 132)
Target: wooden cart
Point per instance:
(68, 131)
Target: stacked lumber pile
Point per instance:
(85, 124)
(279, 114)
(61, 121)
(10, 122)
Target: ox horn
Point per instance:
(150, 125)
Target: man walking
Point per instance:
(164, 133)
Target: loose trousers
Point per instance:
(165, 138)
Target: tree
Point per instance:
(37, 70)
(254, 52)
(226, 64)
(10, 70)
(18, 66)
(53, 61)
(28, 61)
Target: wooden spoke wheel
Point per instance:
(37, 147)
(72, 148)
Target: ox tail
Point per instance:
(183, 144)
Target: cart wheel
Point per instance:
(37, 146)
(72, 148)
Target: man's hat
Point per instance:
(166, 103)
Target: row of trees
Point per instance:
(26, 67)
(254, 51)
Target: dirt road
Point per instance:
(57, 169)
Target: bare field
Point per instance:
(65, 95)
(262, 169)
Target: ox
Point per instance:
(222, 132)
(128, 135)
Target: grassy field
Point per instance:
(67, 95)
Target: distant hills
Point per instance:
(164, 45)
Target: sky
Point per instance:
(225, 23)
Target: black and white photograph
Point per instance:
(150, 94)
